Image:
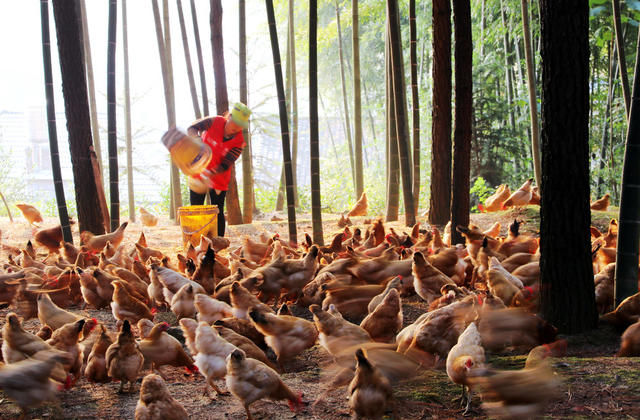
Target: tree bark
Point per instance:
(567, 294)
(440, 198)
(613, 63)
(415, 105)
(187, 59)
(222, 103)
(114, 191)
(622, 59)
(314, 144)
(344, 98)
(294, 104)
(247, 166)
(74, 90)
(393, 165)
(357, 98)
(203, 80)
(53, 132)
(284, 123)
(127, 112)
(462, 133)
(626, 282)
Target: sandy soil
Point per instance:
(597, 385)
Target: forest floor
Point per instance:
(596, 383)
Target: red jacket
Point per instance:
(214, 137)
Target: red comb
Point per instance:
(399, 276)
(481, 208)
(530, 290)
(468, 363)
(480, 300)
(94, 320)
(154, 311)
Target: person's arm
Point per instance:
(200, 126)
(228, 159)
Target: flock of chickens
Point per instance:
(481, 297)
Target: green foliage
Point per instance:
(479, 192)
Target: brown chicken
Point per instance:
(499, 285)
(250, 380)
(146, 218)
(466, 355)
(601, 204)
(287, 335)
(212, 352)
(50, 238)
(630, 341)
(156, 403)
(604, 288)
(18, 344)
(124, 360)
(125, 306)
(514, 327)
(30, 213)
(242, 301)
(245, 328)
(494, 201)
(535, 196)
(516, 393)
(96, 369)
(52, 315)
(159, 349)
(96, 243)
(427, 280)
(336, 333)
(627, 313)
(210, 310)
(244, 344)
(360, 208)
(145, 253)
(182, 302)
(188, 327)
(537, 354)
(386, 319)
(66, 339)
(520, 197)
(29, 382)
(370, 392)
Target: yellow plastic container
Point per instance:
(197, 221)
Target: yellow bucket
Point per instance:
(197, 221)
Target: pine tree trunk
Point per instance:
(53, 132)
(314, 144)
(415, 104)
(74, 90)
(622, 58)
(462, 133)
(95, 128)
(127, 113)
(187, 59)
(294, 105)
(567, 297)
(247, 166)
(533, 102)
(344, 98)
(284, 123)
(626, 282)
(203, 80)
(357, 98)
(222, 103)
(393, 164)
(507, 66)
(440, 199)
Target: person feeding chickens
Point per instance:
(209, 165)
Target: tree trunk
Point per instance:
(127, 113)
(74, 90)
(247, 167)
(440, 198)
(402, 129)
(314, 144)
(53, 132)
(222, 103)
(357, 97)
(533, 103)
(344, 98)
(284, 123)
(287, 95)
(622, 59)
(607, 114)
(462, 133)
(415, 105)
(294, 105)
(187, 59)
(203, 80)
(114, 192)
(393, 165)
(95, 127)
(567, 298)
(626, 283)
(507, 66)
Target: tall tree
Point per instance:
(203, 80)
(222, 102)
(294, 101)
(400, 103)
(393, 165)
(127, 113)
(357, 98)
(344, 96)
(440, 198)
(51, 120)
(284, 123)
(624, 79)
(314, 144)
(74, 90)
(613, 69)
(567, 294)
(463, 117)
(95, 127)
(533, 101)
(247, 166)
(626, 282)
(415, 101)
(114, 193)
(187, 59)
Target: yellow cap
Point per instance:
(240, 114)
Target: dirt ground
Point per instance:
(596, 383)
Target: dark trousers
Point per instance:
(216, 200)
